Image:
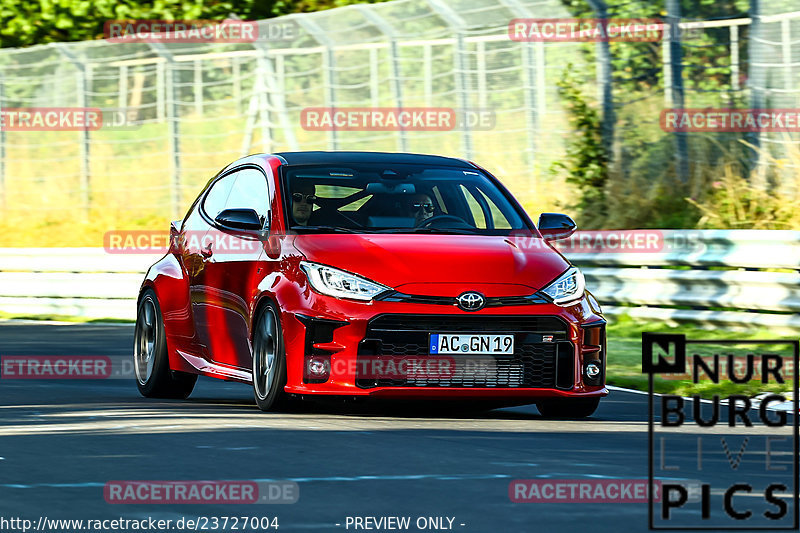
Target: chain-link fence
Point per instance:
(174, 114)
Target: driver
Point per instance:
(303, 199)
(420, 207)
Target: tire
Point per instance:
(150, 359)
(568, 408)
(269, 360)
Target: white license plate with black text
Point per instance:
(470, 343)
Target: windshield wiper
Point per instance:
(446, 231)
(324, 229)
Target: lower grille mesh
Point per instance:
(532, 365)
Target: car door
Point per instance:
(180, 322)
(231, 271)
(198, 250)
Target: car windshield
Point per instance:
(397, 198)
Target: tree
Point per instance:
(29, 22)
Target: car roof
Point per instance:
(343, 158)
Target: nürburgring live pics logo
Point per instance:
(747, 461)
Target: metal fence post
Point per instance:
(533, 64)
(532, 112)
(236, 74)
(280, 75)
(329, 78)
(374, 85)
(734, 38)
(198, 87)
(757, 83)
(83, 102)
(267, 135)
(173, 128)
(480, 51)
(122, 97)
(427, 77)
(161, 98)
(676, 75)
(88, 82)
(250, 122)
(541, 83)
(786, 45)
(3, 192)
(275, 93)
(459, 67)
(666, 68)
(604, 84)
(394, 52)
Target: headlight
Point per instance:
(340, 284)
(567, 288)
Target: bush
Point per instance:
(586, 160)
(762, 198)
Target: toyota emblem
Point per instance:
(471, 301)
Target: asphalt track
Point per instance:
(62, 440)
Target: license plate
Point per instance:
(468, 343)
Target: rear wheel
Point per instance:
(269, 360)
(150, 359)
(568, 407)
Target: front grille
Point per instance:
(471, 323)
(494, 301)
(533, 364)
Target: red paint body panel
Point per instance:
(209, 302)
(396, 260)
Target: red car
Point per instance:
(364, 274)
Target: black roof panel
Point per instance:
(343, 158)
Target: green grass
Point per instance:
(64, 318)
(624, 365)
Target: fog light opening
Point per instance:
(592, 370)
(318, 367)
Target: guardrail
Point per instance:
(743, 277)
(713, 277)
(80, 282)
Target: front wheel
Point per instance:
(568, 407)
(269, 360)
(150, 359)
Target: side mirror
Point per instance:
(174, 232)
(245, 219)
(554, 226)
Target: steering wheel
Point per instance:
(428, 221)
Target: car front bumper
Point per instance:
(348, 337)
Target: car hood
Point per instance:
(398, 260)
